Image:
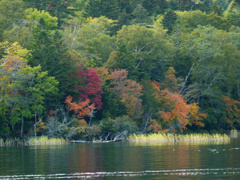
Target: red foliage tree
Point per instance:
(89, 85)
(119, 78)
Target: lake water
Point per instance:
(122, 161)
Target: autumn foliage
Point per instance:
(175, 112)
(118, 58)
(88, 85)
(14, 62)
(154, 126)
(104, 74)
(196, 118)
(232, 110)
(81, 109)
(129, 92)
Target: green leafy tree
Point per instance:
(23, 88)
(123, 58)
(95, 42)
(71, 31)
(40, 19)
(56, 8)
(50, 52)
(19, 33)
(150, 104)
(140, 15)
(189, 20)
(206, 6)
(33, 88)
(211, 67)
(218, 22)
(232, 13)
(11, 14)
(217, 9)
(155, 7)
(169, 20)
(123, 19)
(149, 47)
(97, 8)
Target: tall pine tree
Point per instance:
(49, 51)
(155, 7)
(57, 8)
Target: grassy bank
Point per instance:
(141, 138)
(179, 138)
(42, 140)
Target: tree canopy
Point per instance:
(90, 68)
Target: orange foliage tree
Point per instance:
(232, 108)
(154, 126)
(174, 110)
(196, 118)
(81, 109)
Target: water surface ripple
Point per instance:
(115, 161)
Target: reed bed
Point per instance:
(13, 142)
(44, 140)
(179, 138)
(1, 142)
(234, 133)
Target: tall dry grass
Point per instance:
(42, 140)
(162, 137)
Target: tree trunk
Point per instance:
(186, 78)
(149, 116)
(35, 125)
(22, 126)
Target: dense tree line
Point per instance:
(104, 69)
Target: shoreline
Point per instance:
(141, 138)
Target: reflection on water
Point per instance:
(122, 160)
(189, 143)
(146, 173)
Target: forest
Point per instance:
(90, 69)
